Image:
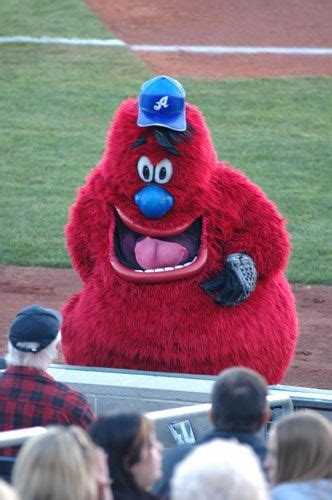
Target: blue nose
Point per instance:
(154, 201)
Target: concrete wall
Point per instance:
(110, 389)
(167, 398)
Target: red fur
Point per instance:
(175, 326)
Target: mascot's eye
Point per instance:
(145, 169)
(164, 171)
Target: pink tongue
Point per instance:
(151, 253)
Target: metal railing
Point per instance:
(18, 436)
(187, 424)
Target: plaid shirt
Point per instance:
(30, 397)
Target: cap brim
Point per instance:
(173, 121)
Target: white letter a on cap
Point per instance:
(162, 103)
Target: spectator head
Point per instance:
(239, 401)
(61, 463)
(220, 469)
(34, 337)
(134, 454)
(7, 492)
(300, 448)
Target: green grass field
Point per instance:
(55, 105)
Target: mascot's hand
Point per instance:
(235, 282)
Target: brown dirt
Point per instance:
(311, 366)
(295, 23)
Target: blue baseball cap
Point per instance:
(34, 325)
(162, 102)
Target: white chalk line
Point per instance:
(195, 49)
(201, 49)
(62, 41)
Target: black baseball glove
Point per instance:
(235, 282)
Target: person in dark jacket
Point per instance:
(134, 453)
(239, 411)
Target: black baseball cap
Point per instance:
(34, 324)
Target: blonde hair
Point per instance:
(7, 492)
(220, 469)
(303, 447)
(57, 465)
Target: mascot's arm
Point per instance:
(255, 243)
(260, 229)
(87, 227)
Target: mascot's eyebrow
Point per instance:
(166, 138)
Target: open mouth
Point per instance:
(156, 256)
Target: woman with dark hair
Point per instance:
(299, 458)
(134, 453)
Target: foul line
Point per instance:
(199, 49)
(61, 41)
(194, 49)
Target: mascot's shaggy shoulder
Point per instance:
(154, 280)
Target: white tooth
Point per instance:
(149, 271)
(169, 268)
(186, 264)
(159, 270)
(195, 258)
(180, 266)
(138, 271)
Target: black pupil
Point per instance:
(162, 173)
(146, 172)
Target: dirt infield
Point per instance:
(295, 23)
(311, 366)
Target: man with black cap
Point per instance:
(29, 396)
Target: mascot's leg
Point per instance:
(104, 329)
(263, 330)
(70, 335)
(84, 329)
(282, 329)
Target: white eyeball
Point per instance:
(163, 171)
(145, 169)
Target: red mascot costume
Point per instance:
(181, 257)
